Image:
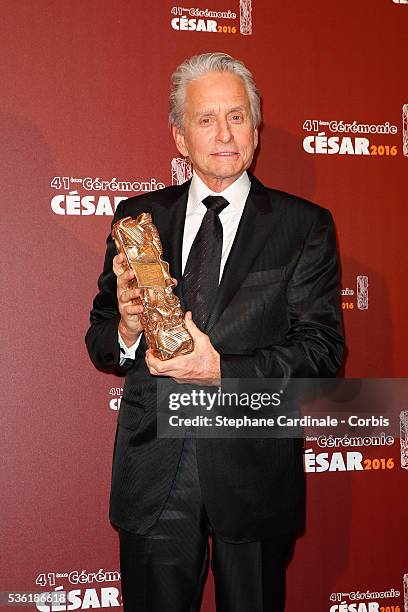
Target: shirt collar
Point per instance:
(236, 194)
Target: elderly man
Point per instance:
(257, 270)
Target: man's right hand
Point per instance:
(129, 303)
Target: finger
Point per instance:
(118, 259)
(133, 309)
(125, 278)
(118, 268)
(171, 282)
(128, 293)
(169, 367)
(133, 296)
(152, 371)
(151, 361)
(191, 326)
(154, 363)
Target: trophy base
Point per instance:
(164, 355)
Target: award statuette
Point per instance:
(162, 318)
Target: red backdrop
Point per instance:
(84, 107)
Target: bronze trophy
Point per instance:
(162, 318)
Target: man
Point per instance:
(275, 313)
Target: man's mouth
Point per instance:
(225, 154)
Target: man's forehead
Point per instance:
(217, 81)
(216, 91)
(214, 109)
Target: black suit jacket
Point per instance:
(277, 314)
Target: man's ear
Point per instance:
(179, 140)
(255, 138)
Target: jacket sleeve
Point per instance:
(102, 336)
(314, 343)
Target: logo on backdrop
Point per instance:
(88, 196)
(337, 455)
(405, 131)
(364, 601)
(115, 397)
(245, 16)
(181, 170)
(79, 590)
(334, 137)
(404, 440)
(195, 19)
(401, 2)
(356, 298)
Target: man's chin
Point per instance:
(227, 171)
(221, 175)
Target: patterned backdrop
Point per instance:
(84, 124)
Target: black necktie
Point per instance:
(202, 271)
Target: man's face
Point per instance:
(218, 134)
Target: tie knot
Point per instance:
(215, 203)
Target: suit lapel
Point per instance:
(256, 225)
(169, 217)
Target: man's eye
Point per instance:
(237, 118)
(205, 120)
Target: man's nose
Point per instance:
(224, 131)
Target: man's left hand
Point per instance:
(201, 366)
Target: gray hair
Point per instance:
(199, 65)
